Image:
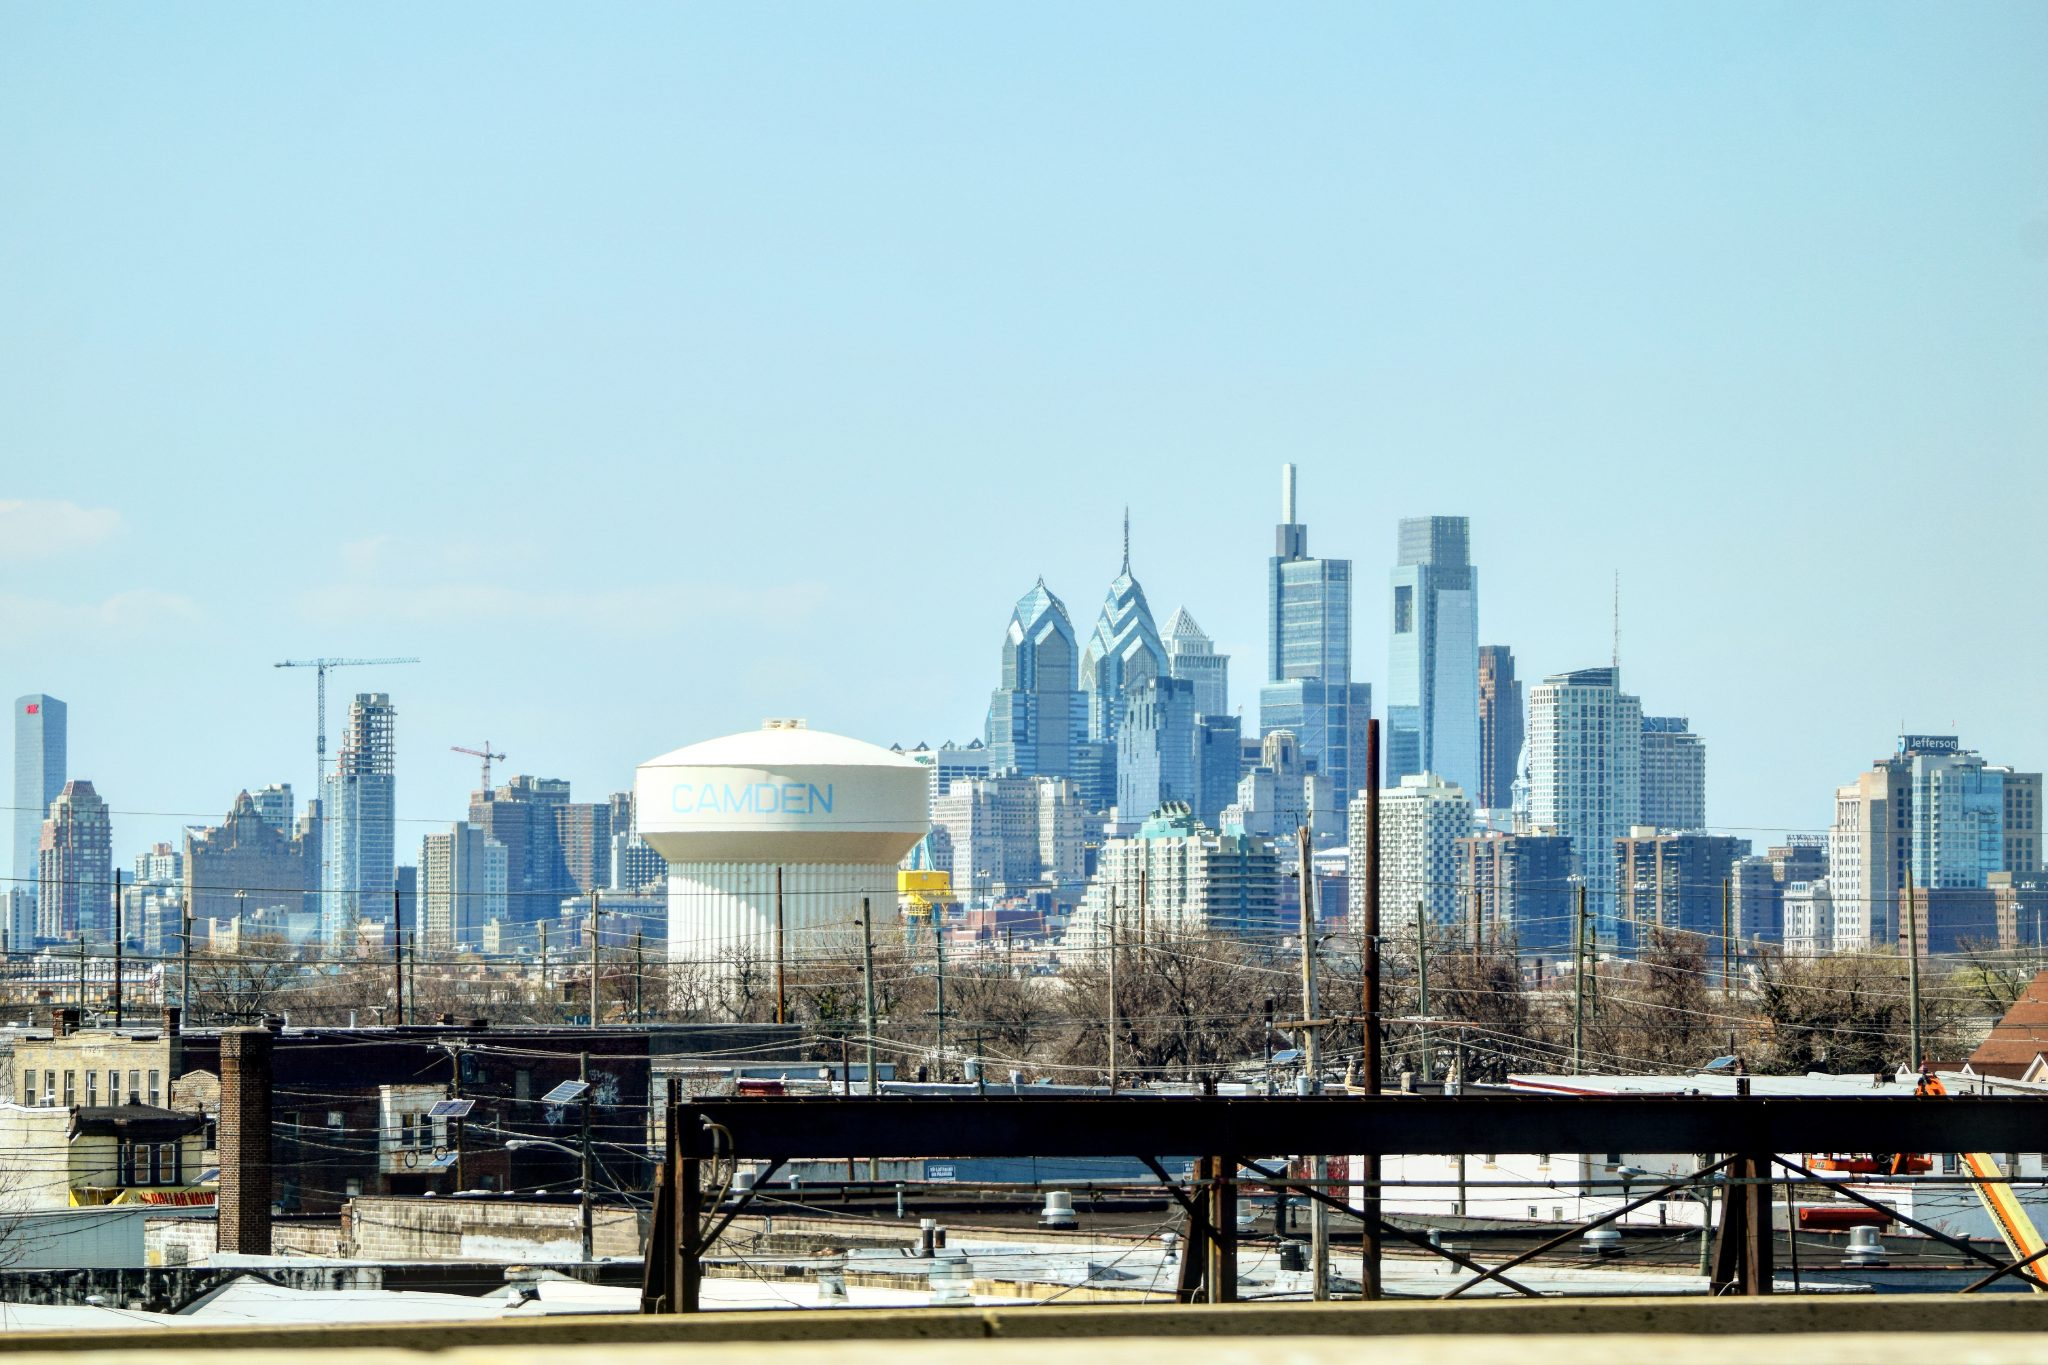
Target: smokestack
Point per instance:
(244, 1141)
(1287, 494)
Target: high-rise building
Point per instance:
(18, 919)
(40, 723)
(1674, 774)
(1759, 883)
(462, 888)
(1308, 689)
(1524, 882)
(1155, 758)
(1037, 715)
(1192, 655)
(1665, 880)
(1422, 821)
(359, 818)
(1219, 763)
(1283, 792)
(583, 834)
(1809, 920)
(1585, 772)
(2022, 821)
(1009, 834)
(1500, 727)
(75, 867)
(1433, 656)
(1869, 850)
(246, 864)
(524, 815)
(1177, 876)
(160, 865)
(1124, 651)
(274, 804)
(1958, 813)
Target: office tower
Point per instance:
(1500, 727)
(1524, 883)
(1958, 813)
(1219, 763)
(1759, 898)
(1037, 715)
(1422, 821)
(583, 834)
(1283, 792)
(39, 762)
(161, 865)
(1674, 881)
(1308, 690)
(1433, 657)
(1674, 774)
(1009, 834)
(75, 867)
(2022, 821)
(1192, 655)
(1869, 850)
(246, 864)
(1155, 758)
(359, 818)
(1123, 652)
(274, 804)
(1810, 927)
(462, 888)
(18, 919)
(1176, 876)
(1585, 772)
(521, 815)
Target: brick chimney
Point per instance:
(63, 1021)
(174, 1018)
(244, 1141)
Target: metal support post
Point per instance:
(589, 1241)
(1221, 1273)
(1369, 1011)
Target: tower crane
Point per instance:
(484, 753)
(321, 666)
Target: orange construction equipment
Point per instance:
(1994, 1187)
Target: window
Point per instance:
(49, 1088)
(92, 1089)
(70, 1088)
(114, 1088)
(1404, 609)
(135, 1087)
(405, 1130)
(522, 1084)
(336, 1119)
(156, 1089)
(28, 1089)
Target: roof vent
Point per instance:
(785, 723)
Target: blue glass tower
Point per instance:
(39, 760)
(1308, 687)
(1433, 658)
(1124, 651)
(1035, 717)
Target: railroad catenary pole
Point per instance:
(1369, 1009)
(596, 937)
(1422, 991)
(1727, 939)
(1319, 1162)
(1112, 989)
(867, 956)
(781, 986)
(1579, 985)
(1912, 975)
(117, 948)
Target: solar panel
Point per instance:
(451, 1109)
(568, 1092)
(443, 1161)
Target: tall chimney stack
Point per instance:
(244, 1141)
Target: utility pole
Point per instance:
(1311, 1028)
(1369, 1010)
(1727, 941)
(81, 976)
(1912, 974)
(867, 957)
(455, 1093)
(1112, 989)
(546, 1004)
(639, 973)
(397, 978)
(939, 947)
(596, 937)
(1422, 991)
(781, 986)
(1579, 985)
(117, 947)
(1144, 908)
(583, 1074)
(185, 962)
(1478, 922)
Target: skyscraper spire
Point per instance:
(1617, 625)
(1127, 539)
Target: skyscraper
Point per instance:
(1524, 883)
(1192, 655)
(523, 815)
(1422, 823)
(1122, 653)
(1673, 880)
(1219, 763)
(246, 864)
(1433, 658)
(1308, 688)
(39, 761)
(75, 867)
(1674, 774)
(1585, 772)
(1155, 759)
(462, 887)
(274, 804)
(1958, 813)
(1869, 849)
(358, 818)
(1500, 727)
(1036, 716)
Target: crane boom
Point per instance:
(320, 667)
(485, 754)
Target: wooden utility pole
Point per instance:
(397, 977)
(867, 957)
(1579, 985)
(1422, 1068)
(1727, 939)
(1912, 975)
(546, 1004)
(117, 947)
(1369, 1010)
(639, 974)
(185, 963)
(1112, 989)
(1478, 921)
(781, 982)
(596, 938)
(1312, 1046)
(1144, 906)
(939, 949)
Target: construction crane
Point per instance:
(484, 753)
(322, 665)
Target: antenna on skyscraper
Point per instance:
(1617, 627)
(1127, 538)
(1287, 494)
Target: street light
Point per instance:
(583, 1193)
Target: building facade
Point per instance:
(523, 815)
(359, 816)
(1500, 727)
(1680, 881)
(1585, 772)
(2022, 822)
(1958, 813)
(40, 739)
(1123, 652)
(1422, 821)
(246, 864)
(1308, 690)
(1009, 834)
(1283, 792)
(1178, 877)
(1219, 764)
(1192, 655)
(1674, 774)
(462, 881)
(1155, 758)
(1037, 715)
(1524, 883)
(75, 867)
(1433, 655)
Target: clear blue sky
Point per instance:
(649, 369)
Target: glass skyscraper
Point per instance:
(1433, 658)
(359, 819)
(1035, 718)
(39, 759)
(1586, 773)
(1308, 688)
(1124, 651)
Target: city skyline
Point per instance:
(1737, 379)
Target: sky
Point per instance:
(651, 369)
